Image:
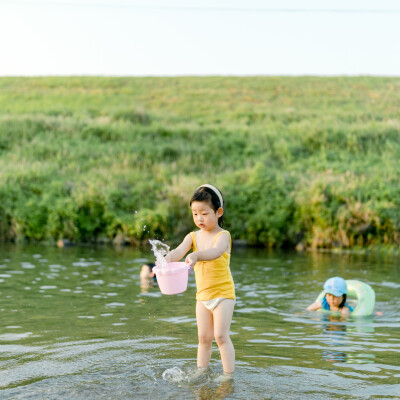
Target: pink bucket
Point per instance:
(173, 278)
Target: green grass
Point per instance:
(299, 159)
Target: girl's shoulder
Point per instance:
(188, 240)
(222, 234)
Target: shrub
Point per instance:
(90, 217)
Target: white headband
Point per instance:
(215, 190)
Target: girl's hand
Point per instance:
(191, 259)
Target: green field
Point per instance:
(312, 161)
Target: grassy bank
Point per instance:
(302, 160)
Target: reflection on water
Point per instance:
(336, 330)
(205, 386)
(78, 323)
(146, 284)
(220, 391)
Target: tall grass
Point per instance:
(306, 160)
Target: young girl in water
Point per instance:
(215, 288)
(335, 297)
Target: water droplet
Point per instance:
(160, 250)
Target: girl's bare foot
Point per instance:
(197, 375)
(225, 377)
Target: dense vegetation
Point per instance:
(300, 160)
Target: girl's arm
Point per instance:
(178, 253)
(314, 306)
(221, 246)
(345, 311)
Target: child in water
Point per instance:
(335, 297)
(147, 276)
(146, 271)
(215, 287)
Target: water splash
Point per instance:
(160, 250)
(174, 374)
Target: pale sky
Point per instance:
(199, 37)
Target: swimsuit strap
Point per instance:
(193, 235)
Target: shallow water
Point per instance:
(76, 323)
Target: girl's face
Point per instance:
(333, 301)
(204, 216)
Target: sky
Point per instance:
(199, 37)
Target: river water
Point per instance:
(76, 323)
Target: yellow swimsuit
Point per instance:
(213, 278)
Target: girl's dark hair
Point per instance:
(204, 193)
(341, 305)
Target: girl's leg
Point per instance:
(205, 332)
(222, 322)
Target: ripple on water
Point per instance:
(97, 282)
(112, 305)
(28, 265)
(15, 336)
(83, 263)
(178, 320)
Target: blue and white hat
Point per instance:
(336, 286)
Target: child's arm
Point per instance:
(220, 247)
(345, 311)
(314, 306)
(178, 253)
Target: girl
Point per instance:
(335, 297)
(147, 275)
(215, 288)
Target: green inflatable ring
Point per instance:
(362, 292)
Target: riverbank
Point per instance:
(302, 161)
